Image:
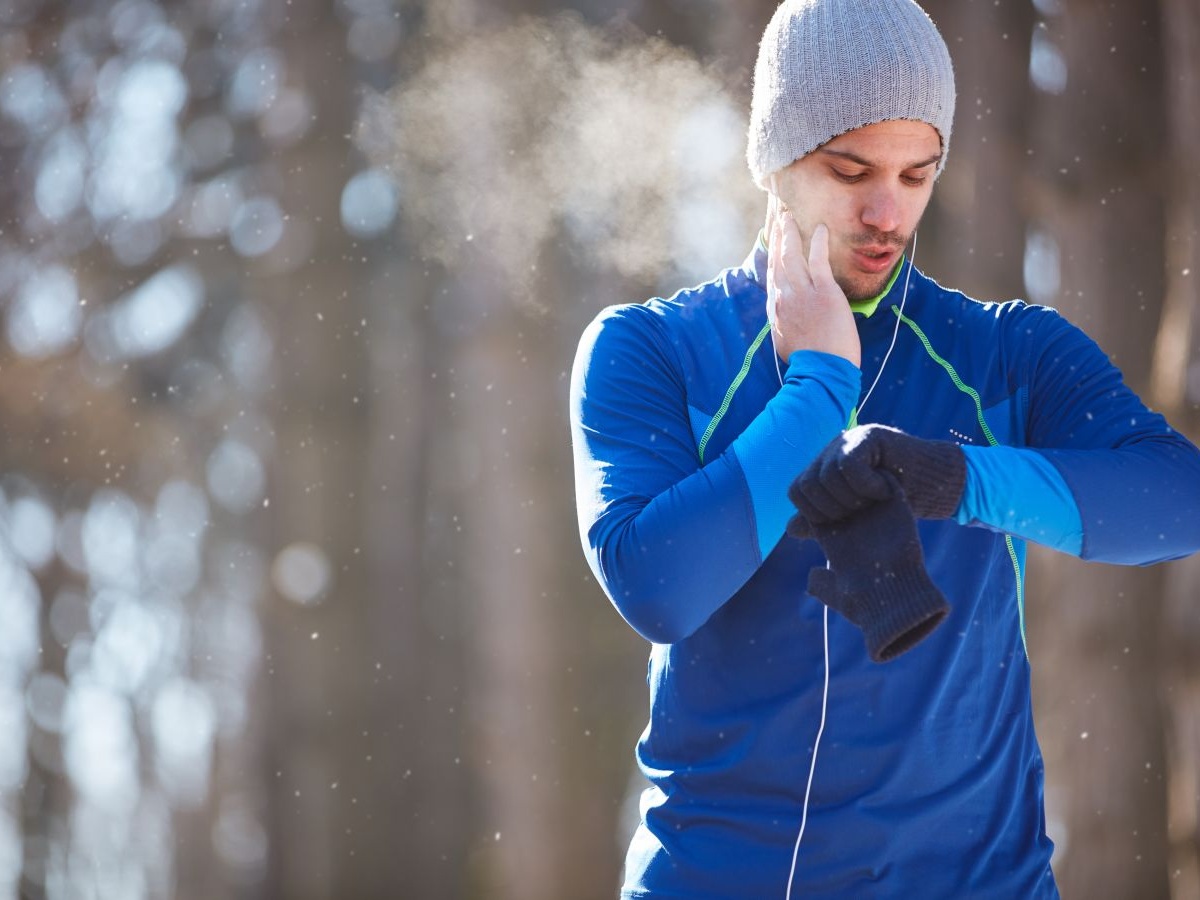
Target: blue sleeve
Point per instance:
(1017, 491)
(670, 540)
(1108, 480)
(810, 410)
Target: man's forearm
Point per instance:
(670, 561)
(1135, 504)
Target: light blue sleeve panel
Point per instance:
(811, 409)
(1018, 491)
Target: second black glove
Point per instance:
(876, 576)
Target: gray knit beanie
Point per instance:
(826, 67)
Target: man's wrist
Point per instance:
(935, 486)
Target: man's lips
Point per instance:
(874, 259)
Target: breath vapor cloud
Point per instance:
(628, 146)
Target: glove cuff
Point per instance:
(901, 609)
(934, 487)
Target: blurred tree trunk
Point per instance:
(516, 544)
(733, 38)
(362, 688)
(973, 236)
(1095, 630)
(416, 617)
(1177, 393)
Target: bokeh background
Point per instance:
(292, 603)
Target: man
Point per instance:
(994, 424)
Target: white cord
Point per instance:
(812, 766)
(896, 330)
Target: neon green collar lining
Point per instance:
(862, 307)
(867, 307)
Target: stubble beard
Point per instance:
(860, 286)
(857, 291)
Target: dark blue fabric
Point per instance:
(929, 778)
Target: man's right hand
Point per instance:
(811, 311)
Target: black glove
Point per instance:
(877, 576)
(848, 474)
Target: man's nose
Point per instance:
(882, 210)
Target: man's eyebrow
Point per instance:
(855, 158)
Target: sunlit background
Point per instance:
(291, 597)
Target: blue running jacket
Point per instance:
(929, 779)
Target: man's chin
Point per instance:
(864, 287)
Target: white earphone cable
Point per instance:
(896, 330)
(812, 766)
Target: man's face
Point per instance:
(869, 186)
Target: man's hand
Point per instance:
(852, 472)
(811, 311)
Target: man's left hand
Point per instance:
(848, 475)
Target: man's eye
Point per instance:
(847, 178)
(913, 180)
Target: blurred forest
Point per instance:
(292, 603)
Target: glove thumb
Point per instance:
(822, 584)
(800, 528)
